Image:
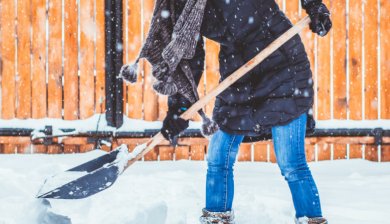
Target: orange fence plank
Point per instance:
(272, 155)
(371, 59)
(132, 48)
(385, 155)
(162, 107)
(69, 149)
(292, 10)
(310, 152)
(323, 77)
(55, 60)
(371, 153)
(150, 96)
(197, 152)
(23, 84)
(86, 62)
(308, 38)
(7, 65)
(212, 71)
(55, 149)
(260, 152)
(182, 152)
(100, 58)
(324, 151)
(9, 148)
(39, 59)
(339, 32)
(166, 152)
(355, 152)
(355, 60)
(245, 152)
(152, 155)
(385, 58)
(339, 151)
(71, 85)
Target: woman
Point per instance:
(276, 97)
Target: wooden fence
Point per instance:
(52, 65)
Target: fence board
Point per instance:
(55, 60)
(150, 97)
(244, 153)
(166, 152)
(212, 71)
(23, 85)
(7, 16)
(132, 46)
(182, 152)
(39, 59)
(385, 58)
(272, 156)
(355, 151)
(355, 60)
(371, 59)
(86, 58)
(339, 151)
(324, 151)
(308, 38)
(100, 58)
(260, 152)
(371, 152)
(385, 155)
(292, 10)
(71, 101)
(197, 152)
(310, 152)
(339, 32)
(323, 77)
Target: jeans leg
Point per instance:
(289, 144)
(222, 152)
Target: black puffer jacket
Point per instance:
(275, 92)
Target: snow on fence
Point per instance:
(52, 65)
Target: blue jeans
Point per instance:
(289, 148)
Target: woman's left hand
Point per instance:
(320, 18)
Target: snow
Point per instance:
(352, 192)
(57, 181)
(89, 124)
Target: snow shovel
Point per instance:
(99, 174)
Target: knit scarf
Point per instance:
(168, 47)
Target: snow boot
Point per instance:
(217, 217)
(306, 220)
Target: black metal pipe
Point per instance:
(109, 62)
(12, 132)
(118, 62)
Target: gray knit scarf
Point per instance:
(168, 47)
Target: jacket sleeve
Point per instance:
(307, 3)
(178, 101)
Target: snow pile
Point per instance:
(352, 192)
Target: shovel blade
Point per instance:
(85, 186)
(91, 177)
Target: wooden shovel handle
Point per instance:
(231, 79)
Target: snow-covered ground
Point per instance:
(353, 192)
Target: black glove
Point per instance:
(173, 125)
(320, 17)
